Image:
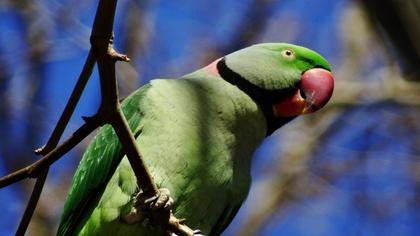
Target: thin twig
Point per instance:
(36, 168)
(54, 139)
(70, 106)
(32, 203)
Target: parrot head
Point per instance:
(284, 79)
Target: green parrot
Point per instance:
(197, 135)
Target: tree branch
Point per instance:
(70, 106)
(32, 171)
(102, 44)
(32, 203)
(54, 139)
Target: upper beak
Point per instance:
(315, 91)
(317, 85)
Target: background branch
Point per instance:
(53, 141)
(32, 203)
(36, 168)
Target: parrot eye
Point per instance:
(288, 54)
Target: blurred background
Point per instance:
(351, 169)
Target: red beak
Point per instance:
(315, 91)
(317, 85)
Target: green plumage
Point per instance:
(197, 135)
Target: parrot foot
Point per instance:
(197, 232)
(143, 206)
(162, 200)
(146, 208)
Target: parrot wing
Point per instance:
(98, 165)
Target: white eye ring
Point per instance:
(288, 53)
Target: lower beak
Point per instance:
(306, 110)
(309, 107)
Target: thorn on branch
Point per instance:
(117, 56)
(98, 119)
(40, 151)
(101, 43)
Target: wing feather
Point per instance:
(98, 165)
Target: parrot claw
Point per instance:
(143, 206)
(197, 232)
(162, 200)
